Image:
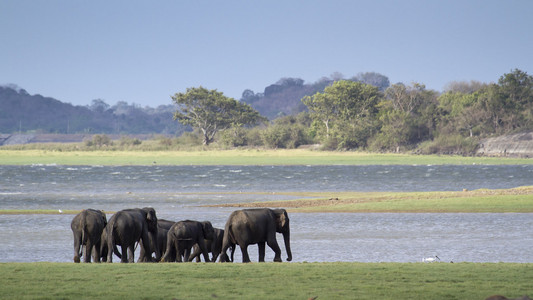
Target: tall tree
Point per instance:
(212, 112)
(348, 110)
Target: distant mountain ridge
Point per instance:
(21, 112)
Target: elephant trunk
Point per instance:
(287, 239)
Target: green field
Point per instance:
(517, 200)
(239, 157)
(264, 281)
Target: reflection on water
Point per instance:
(174, 192)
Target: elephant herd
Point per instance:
(98, 238)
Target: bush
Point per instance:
(128, 141)
(450, 144)
(288, 136)
(99, 141)
(234, 137)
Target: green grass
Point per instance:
(238, 157)
(518, 200)
(264, 281)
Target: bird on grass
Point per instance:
(431, 259)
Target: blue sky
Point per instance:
(143, 52)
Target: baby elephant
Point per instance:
(214, 246)
(183, 235)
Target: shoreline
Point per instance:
(241, 157)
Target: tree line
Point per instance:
(362, 112)
(351, 114)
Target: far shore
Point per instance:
(241, 157)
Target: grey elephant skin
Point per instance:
(183, 235)
(129, 226)
(87, 228)
(214, 246)
(163, 227)
(257, 226)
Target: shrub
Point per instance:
(450, 144)
(99, 140)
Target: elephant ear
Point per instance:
(281, 219)
(151, 218)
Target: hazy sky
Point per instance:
(145, 51)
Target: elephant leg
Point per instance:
(187, 254)
(176, 252)
(131, 253)
(142, 256)
(88, 251)
(109, 255)
(273, 244)
(195, 254)
(203, 248)
(261, 246)
(125, 254)
(180, 251)
(77, 245)
(245, 256)
(233, 247)
(96, 252)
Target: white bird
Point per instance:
(60, 211)
(431, 259)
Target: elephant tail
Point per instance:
(115, 250)
(83, 226)
(110, 238)
(227, 242)
(231, 236)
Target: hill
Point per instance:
(22, 112)
(284, 97)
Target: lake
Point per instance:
(176, 192)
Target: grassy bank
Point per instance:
(264, 281)
(238, 157)
(518, 200)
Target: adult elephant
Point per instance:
(183, 235)
(87, 227)
(214, 246)
(129, 226)
(257, 226)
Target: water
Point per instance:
(176, 192)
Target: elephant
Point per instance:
(214, 246)
(129, 226)
(161, 244)
(257, 226)
(103, 247)
(87, 227)
(183, 235)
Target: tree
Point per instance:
(212, 112)
(348, 110)
(99, 105)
